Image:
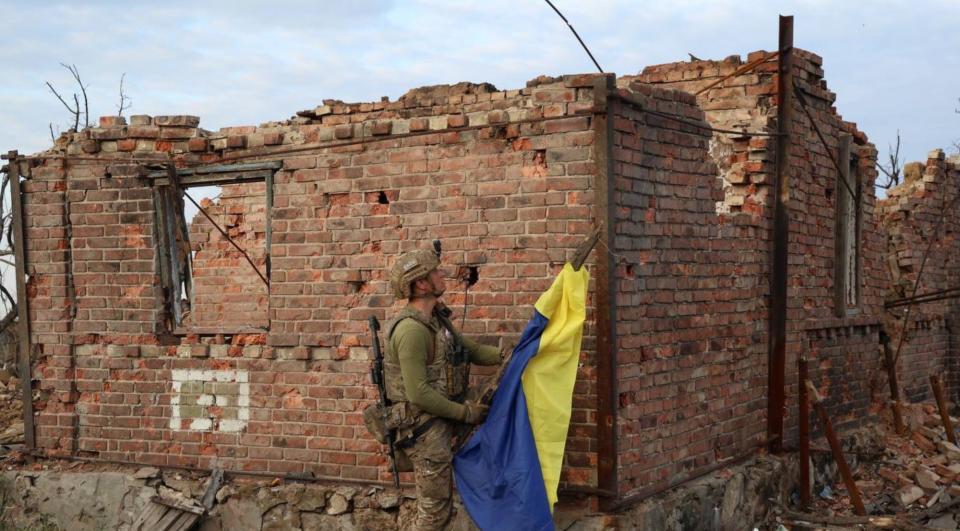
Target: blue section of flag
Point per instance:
(498, 471)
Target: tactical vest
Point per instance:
(447, 368)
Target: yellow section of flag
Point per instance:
(549, 377)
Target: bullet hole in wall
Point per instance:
(468, 274)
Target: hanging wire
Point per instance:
(575, 34)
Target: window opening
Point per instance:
(847, 233)
(213, 229)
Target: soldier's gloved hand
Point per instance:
(475, 413)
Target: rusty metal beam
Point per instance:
(845, 473)
(24, 364)
(777, 321)
(583, 250)
(826, 147)
(930, 296)
(890, 363)
(606, 289)
(942, 405)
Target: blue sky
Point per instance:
(894, 64)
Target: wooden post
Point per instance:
(836, 450)
(804, 417)
(24, 364)
(942, 404)
(891, 366)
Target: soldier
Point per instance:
(426, 374)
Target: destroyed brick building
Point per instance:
(158, 343)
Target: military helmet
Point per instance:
(411, 267)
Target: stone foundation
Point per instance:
(90, 498)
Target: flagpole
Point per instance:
(583, 250)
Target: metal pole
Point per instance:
(777, 321)
(23, 308)
(891, 364)
(837, 451)
(605, 291)
(942, 404)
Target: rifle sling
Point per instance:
(417, 432)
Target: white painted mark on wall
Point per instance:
(210, 400)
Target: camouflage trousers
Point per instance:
(432, 458)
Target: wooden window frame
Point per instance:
(170, 224)
(844, 304)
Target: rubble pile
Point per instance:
(11, 409)
(915, 475)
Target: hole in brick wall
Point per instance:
(382, 198)
(468, 274)
(540, 157)
(357, 285)
(828, 192)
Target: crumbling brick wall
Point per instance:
(502, 177)
(742, 102)
(227, 291)
(508, 181)
(919, 216)
(842, 349)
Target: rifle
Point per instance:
(376, 374)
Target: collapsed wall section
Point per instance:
(838, 335)
(920, 224)
(503, 178)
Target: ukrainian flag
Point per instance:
(508, 472)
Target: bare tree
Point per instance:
(8, 305)
(125, 101)
(894, 168)
(956, 143)
(75, 110)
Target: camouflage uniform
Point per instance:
(431, 354)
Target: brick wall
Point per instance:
(845, 345)
(912, 215)
(691, 369)
(507, 179)
(227, 292)
(504, 178)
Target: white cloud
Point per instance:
(892, 63)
